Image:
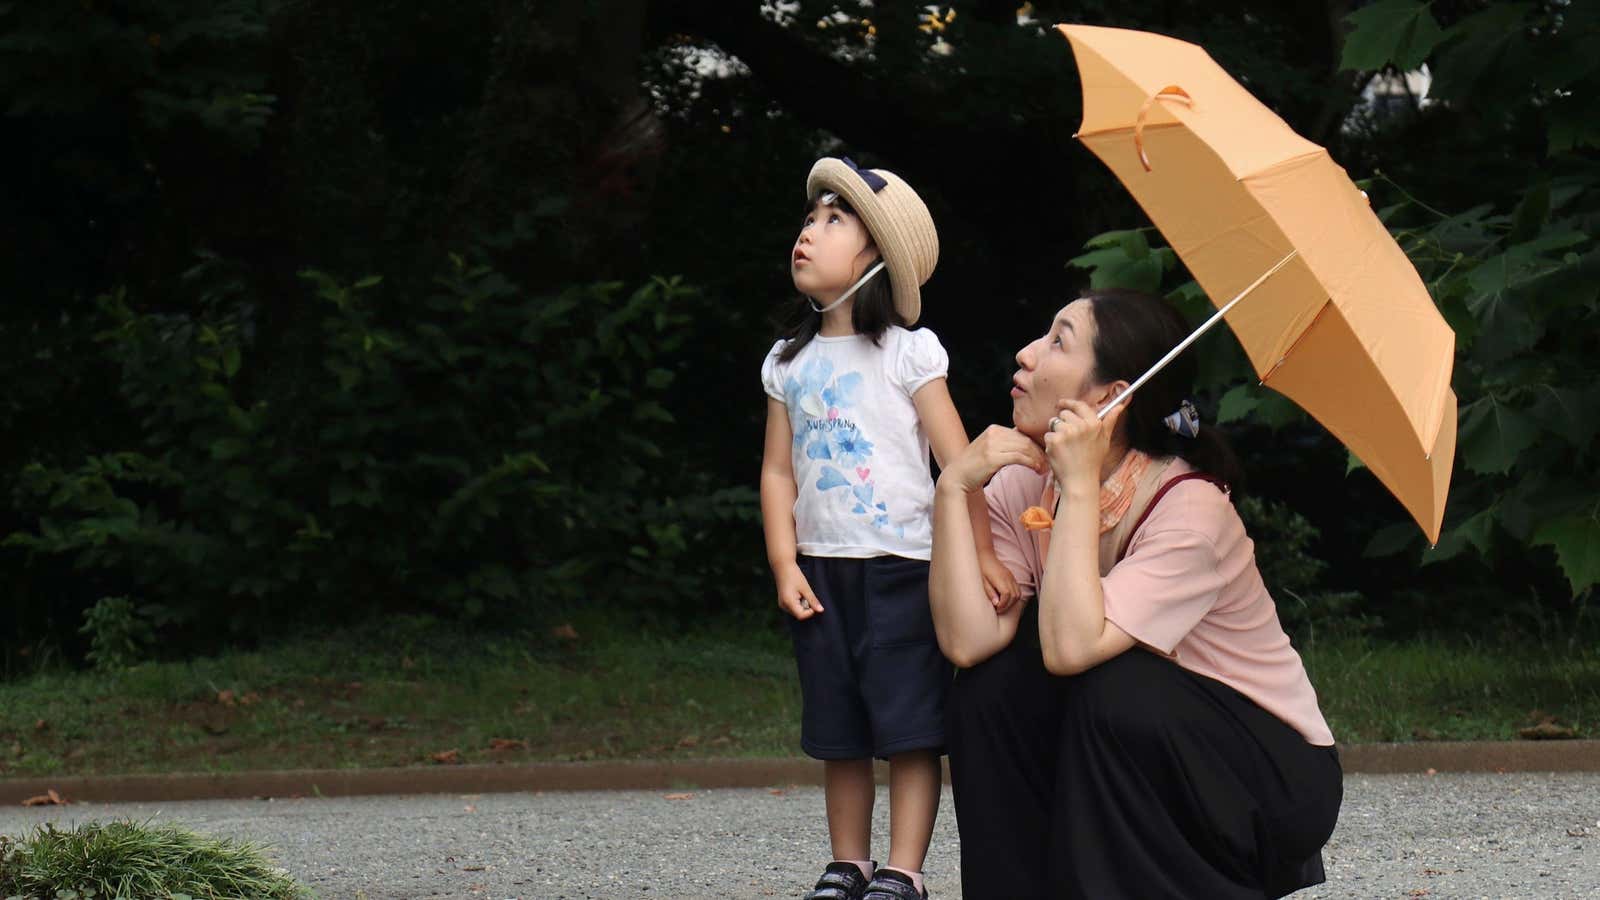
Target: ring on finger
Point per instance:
(1054, 421)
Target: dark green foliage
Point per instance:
(215, 410)
(472, 450)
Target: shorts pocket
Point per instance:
(897, 601)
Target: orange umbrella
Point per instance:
(1334, 315)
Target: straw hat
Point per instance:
(896, 218)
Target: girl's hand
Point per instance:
(998, 582)
(795, 596)
(1078, 441)
(994, 449)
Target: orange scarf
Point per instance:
(1116, 495)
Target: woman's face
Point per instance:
(1057, 366)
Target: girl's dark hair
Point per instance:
(1132, 330)
(871, 315)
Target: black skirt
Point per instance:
(1136, 779)
(1002, 723)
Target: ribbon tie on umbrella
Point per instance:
(1170, 92)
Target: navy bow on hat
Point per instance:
(873, 179)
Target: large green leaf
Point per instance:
(1237, 403)
(1577, 542)
(1402, 32)
(1192, 301)
(1275, 411)
(1493, 434)
(1124, 259)
(1109, 239)
(1391, 539)
(1531, 214)
(1135, 244)
(1476, 44)
(1569, 412)
(1507, 325)
(1475, 532)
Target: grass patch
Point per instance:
(1454, 689)
(409, 692)
(125, 859)
(405, 691)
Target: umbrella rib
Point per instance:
(1287, 162)
(1426, 446)
(1297, 339)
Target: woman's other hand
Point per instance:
(994, 449)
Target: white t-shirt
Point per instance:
(860, 453)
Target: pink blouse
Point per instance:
(1187, 588)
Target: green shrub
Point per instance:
(126, 859)
(119, 634)
(468, 450)
(1296, 578)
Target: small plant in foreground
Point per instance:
(127, 859)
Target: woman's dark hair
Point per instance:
(1132, 330)
(871, 315)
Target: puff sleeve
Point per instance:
(921, 359)
(771, 377)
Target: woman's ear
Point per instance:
(1109, 392)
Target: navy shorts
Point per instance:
(872, 679)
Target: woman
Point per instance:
(1141, 727)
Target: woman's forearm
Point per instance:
(1072, 613)
(969, 630)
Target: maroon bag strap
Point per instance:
(1162, 492)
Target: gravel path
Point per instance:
(1442, 836)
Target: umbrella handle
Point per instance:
(1171, 92)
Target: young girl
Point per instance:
(856, 400)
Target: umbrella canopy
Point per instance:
(1346, 328)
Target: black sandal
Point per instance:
(840, 881)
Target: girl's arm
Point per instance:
(968, 627)
(778, 493)
(948, 437)
(1073, 630)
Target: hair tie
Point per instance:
(1186, 421)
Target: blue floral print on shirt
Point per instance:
(817, 412)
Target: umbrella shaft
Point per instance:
(1195, 336)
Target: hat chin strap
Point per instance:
(848, 291)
